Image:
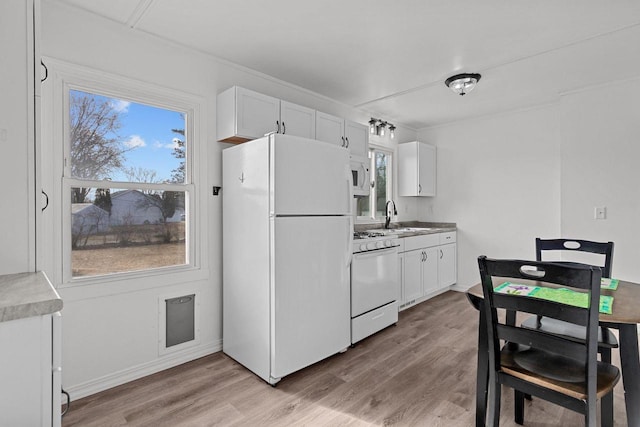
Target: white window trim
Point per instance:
(56, 254)
(390, 185)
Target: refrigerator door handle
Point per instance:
(350, 242)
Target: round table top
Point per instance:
(626, 299)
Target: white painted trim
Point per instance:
(65, 75)
(142, 370)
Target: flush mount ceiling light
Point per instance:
(462, 83)
(379, 127)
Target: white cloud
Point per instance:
(168, 145)
(135, 141)
(120, 106)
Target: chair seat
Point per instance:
(606, 338)
(555, 372)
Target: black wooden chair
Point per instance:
(606, 339)
(552, 367)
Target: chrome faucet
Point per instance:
(395, 212)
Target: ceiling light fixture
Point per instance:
(378, 127)
(463, 83)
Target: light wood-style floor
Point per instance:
(420, 372)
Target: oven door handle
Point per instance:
(376, 252)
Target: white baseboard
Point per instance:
(126, 375)
(459, 288)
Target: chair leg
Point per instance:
(606, 411)
(494, 402)
(519, 407)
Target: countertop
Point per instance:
(426, 228)
(25, 295)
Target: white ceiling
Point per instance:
(391, 58)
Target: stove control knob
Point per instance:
(363, 247)
(371, 245)
(379, 244)
(387, 243)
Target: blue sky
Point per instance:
(146, 134)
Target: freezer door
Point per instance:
(310, 316)
(309, 177)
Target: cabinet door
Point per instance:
(426, 170)
(329, 128)
(430, 270)
(412, 275)
(357, 138)
(297, 120)
(256, 114)
(447, 265)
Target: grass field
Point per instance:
(91, 262)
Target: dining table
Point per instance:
(625, 317)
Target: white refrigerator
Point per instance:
(287, 233)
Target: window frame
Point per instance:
(390, 153)
(67, 77)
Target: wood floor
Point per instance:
(420, 372)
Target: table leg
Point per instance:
(630, 360)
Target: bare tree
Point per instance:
(179, 152)
(95, 147)
(141, 174)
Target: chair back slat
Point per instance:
(543, 341)
(576, 245)
(531, 305)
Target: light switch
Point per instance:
(600, 212)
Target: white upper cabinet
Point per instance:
(297, 120)
(243, 115)
(357, 138)
(416, 169)
(344, 133)
(329, 128)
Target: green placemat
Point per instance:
(561, 295)
(611, 284)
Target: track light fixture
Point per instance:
(379, 127)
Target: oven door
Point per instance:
(360, 176)
(374, 280)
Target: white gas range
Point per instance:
(374, 283)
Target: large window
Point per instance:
(127, 176)
(373, 206)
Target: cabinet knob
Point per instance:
(277, 126)
(419, 188)
(347, 143)
(342, 138)
(284, 128)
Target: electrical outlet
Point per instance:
(600, 212)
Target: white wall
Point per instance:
(509, 178)
(498, 178)
(16, 139)
(600, 152)
(111, 333)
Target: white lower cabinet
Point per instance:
(427, 267)
(30, 371)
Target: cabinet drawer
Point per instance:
(449, 237)
(373, 321)
(424, 241)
